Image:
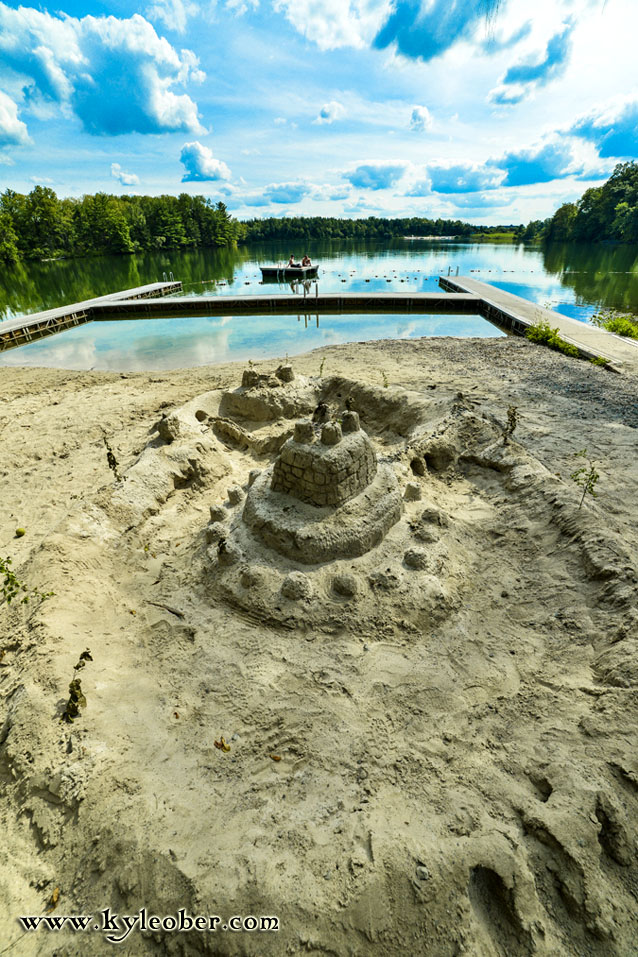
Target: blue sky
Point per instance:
(340, 107)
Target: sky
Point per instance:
(490, 111)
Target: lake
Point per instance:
(576, 280)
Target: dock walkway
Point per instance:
(516, 315)
(18, 331)
(292, 305)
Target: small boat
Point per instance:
(285, 272)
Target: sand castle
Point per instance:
(344, 503)
(328, 472)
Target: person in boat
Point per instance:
(306, 260)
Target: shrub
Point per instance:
(621, 325)
(544, 334)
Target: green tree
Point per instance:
(9, 252)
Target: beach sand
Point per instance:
(436, 765)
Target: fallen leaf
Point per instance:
(55, 897)
(276, 757)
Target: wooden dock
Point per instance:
(17, 332)
(291, 305)
(515, 314)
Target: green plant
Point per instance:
(585, 477)
(544, 334)
(386, 381)
(512, 422)
(321, 366)
(12, 586)
(599, 361)
(626, 325)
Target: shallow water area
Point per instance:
(173, 343)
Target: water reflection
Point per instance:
(137, 345)
(565, 275)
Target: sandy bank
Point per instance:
(457, 735)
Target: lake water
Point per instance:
(576, 280)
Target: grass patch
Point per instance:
(544, 334)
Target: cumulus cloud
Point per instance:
(201, 165)
(13, 132)
(521, 79)
(278, 193)
(330, 112)
(116, 75)
(286, 192)
(542, 164)
(421, 119)
(462, 177)
(612, 128)
(328, 191)
(126, 179)
(375, 175)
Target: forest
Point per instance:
(41, 226)
(603, 213)
(331, 227)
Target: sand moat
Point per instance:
(419, 653)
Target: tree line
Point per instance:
(41, 226)
(332, 227)
(607, 212)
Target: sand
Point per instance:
(457, 766)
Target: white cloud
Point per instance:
(116, 75)
(421, 119)
(376, 175)
(13, 132)
(336, 23)
(201, 165)
(174, 14)
(330, 112)
(239, 7)
(126, 179)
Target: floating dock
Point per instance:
(290, 305)
(515, 314)
(17, 332)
